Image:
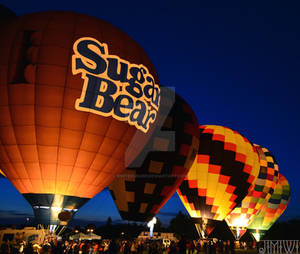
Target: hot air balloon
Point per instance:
(272, 209)
(77, 97)
(222, 174)
(242, 216)
(147, 184)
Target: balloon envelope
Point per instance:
(60, 74)
(222, 174)
(242, 216)
(272, 209)
(144, 187)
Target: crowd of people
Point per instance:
(120, 247)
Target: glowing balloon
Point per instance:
(75, 92)
(242, 216)
(272, 209)
(222, 174)
(142, 189)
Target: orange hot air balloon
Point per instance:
(222, 174)
(6, 15)
(78, 97)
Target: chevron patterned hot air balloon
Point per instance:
(242, 216)
(222, 174)
(141, 191)
(75, 92)
(272, 209)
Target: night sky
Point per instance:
(235, 62)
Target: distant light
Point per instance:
(151, 225)
(44, 207)
(56, 209)
(90, 230)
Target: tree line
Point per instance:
(183, 226)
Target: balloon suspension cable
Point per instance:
(234, 232)
(200, 231)
(61, 230)
(237, 232)
(41, 227)
(58, 228)
(253, 237)
(257, 235)
(204, 226)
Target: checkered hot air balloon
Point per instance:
(141, 190)
(272, 209)
(57, 156)
(222, 174)
(242, 216)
